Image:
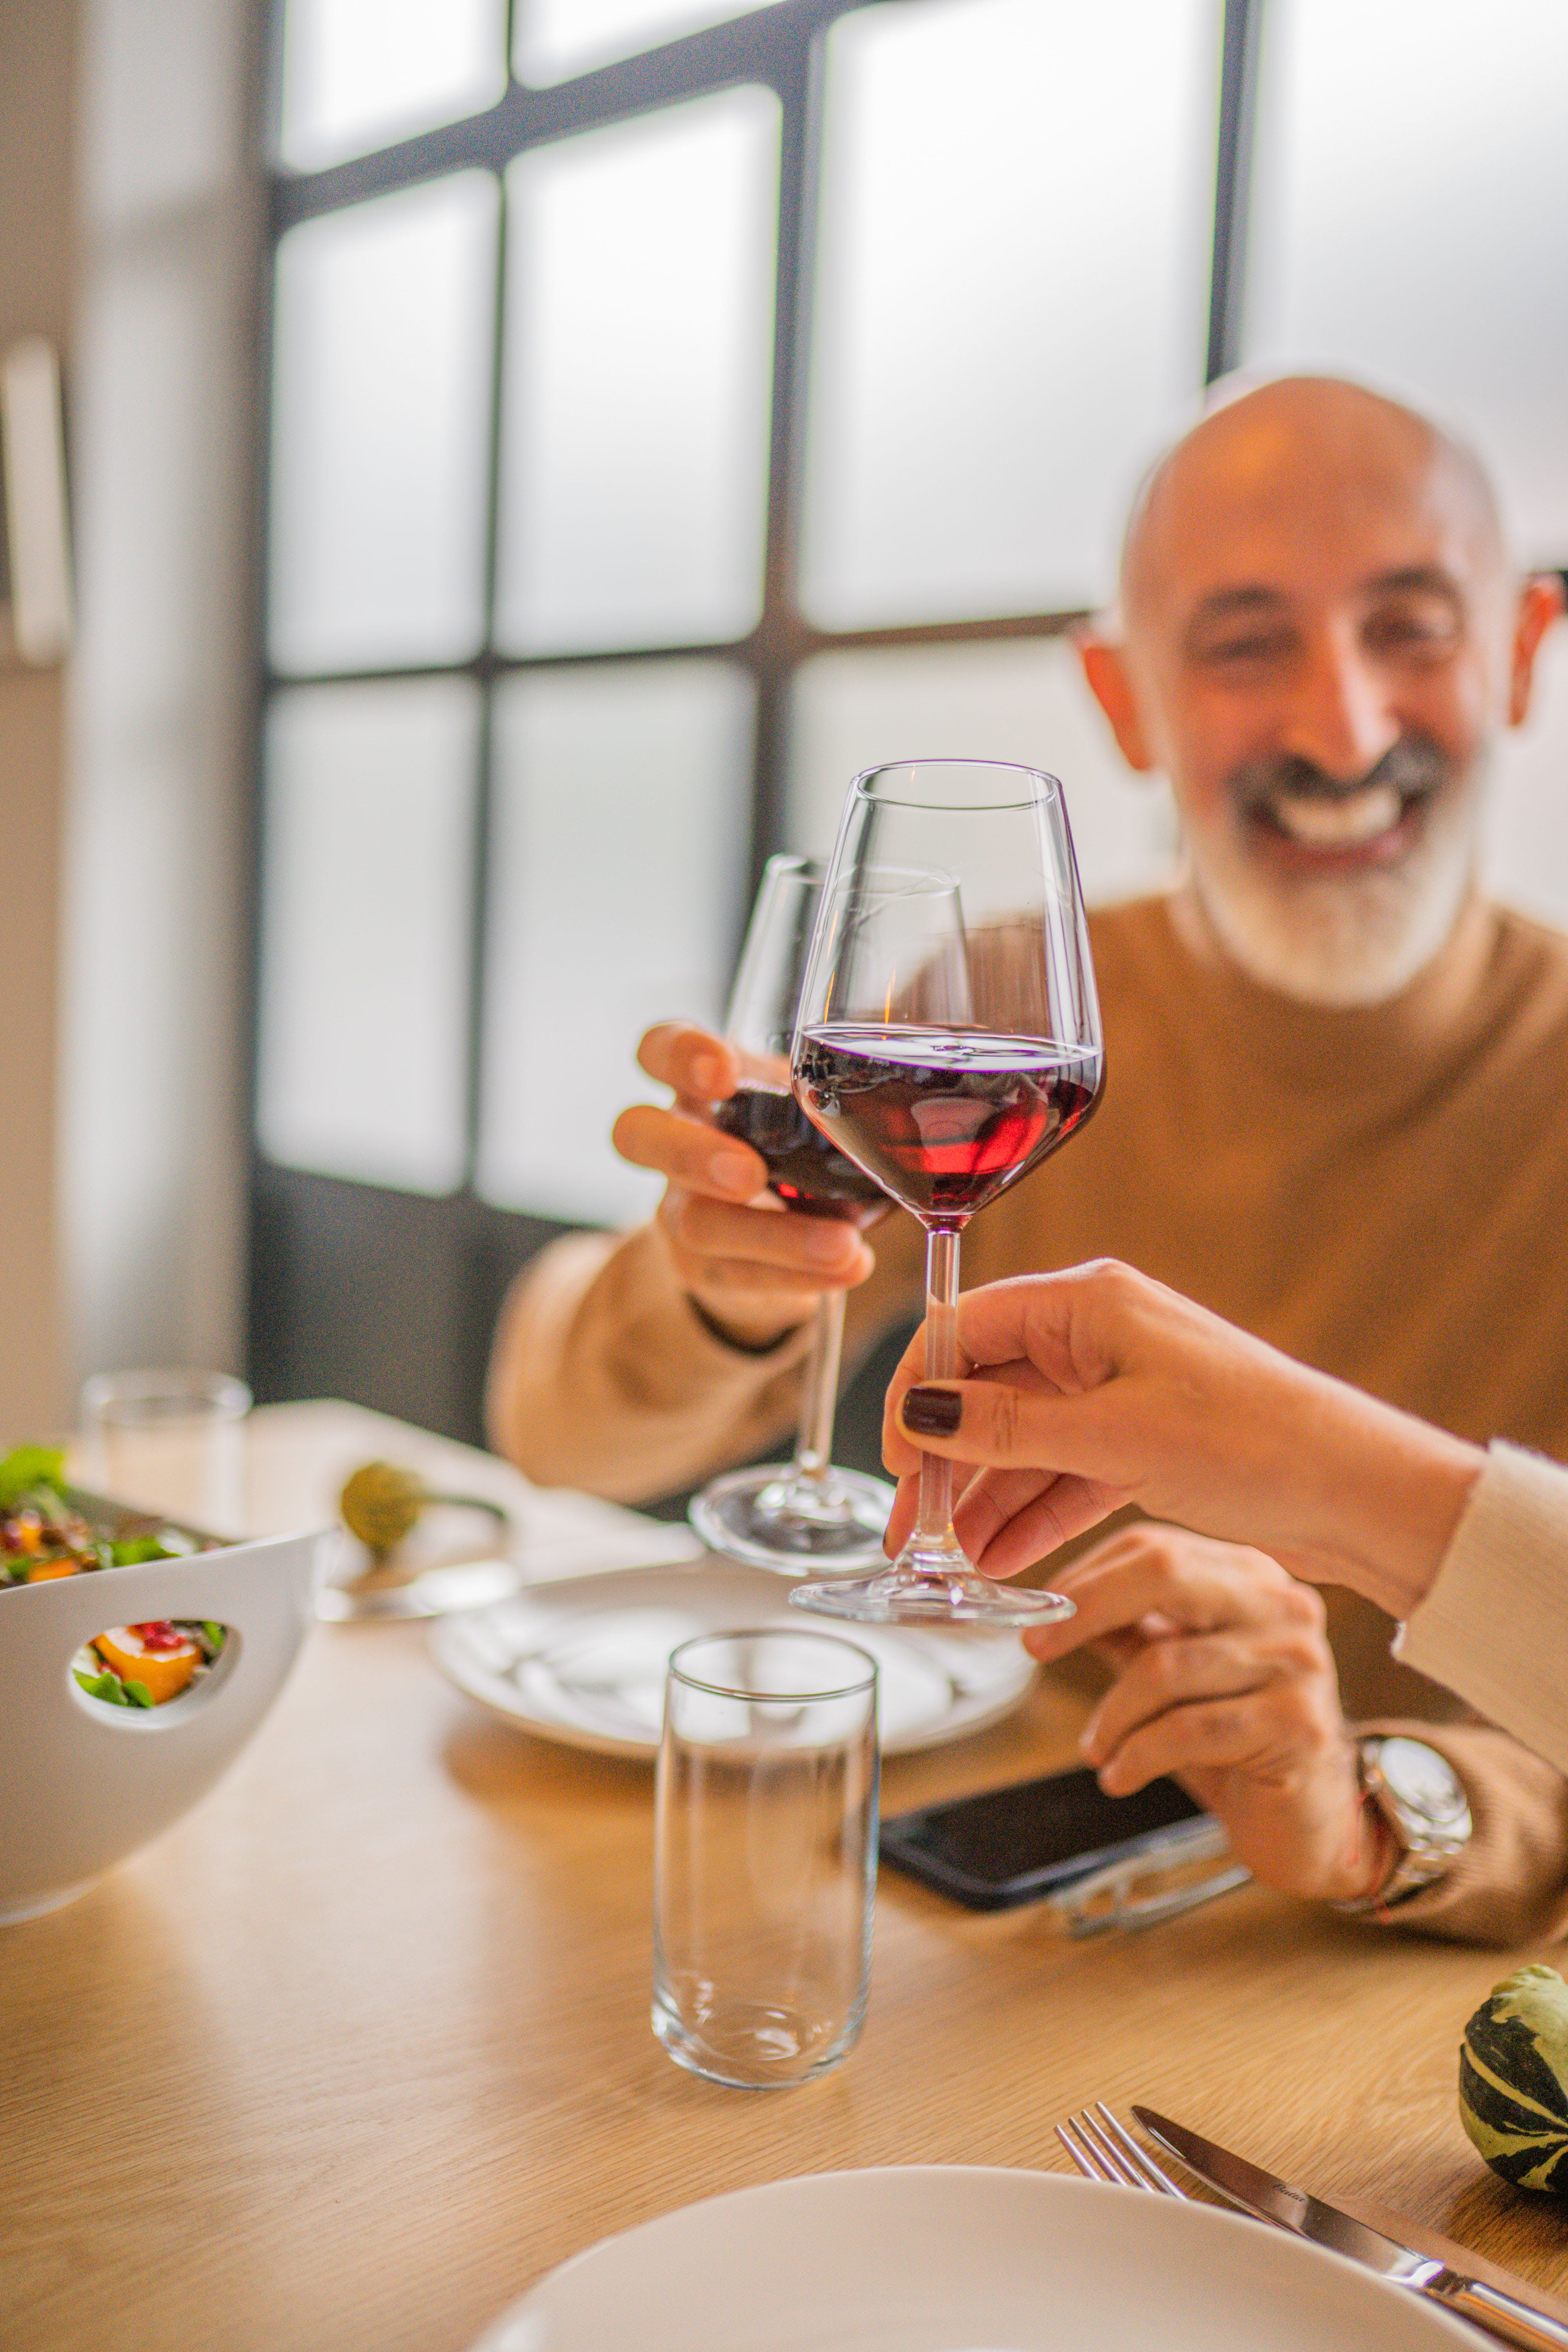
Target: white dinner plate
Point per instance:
(950, 2258)
(582, 1659)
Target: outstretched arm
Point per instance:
(1096, 1387)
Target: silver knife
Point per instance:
(1258, 2192)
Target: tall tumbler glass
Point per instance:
(807, 1513)
(170, 1441)
(764, 1855)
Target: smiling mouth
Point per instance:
(1376, 819)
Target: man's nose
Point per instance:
(1341, 717)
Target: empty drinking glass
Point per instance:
(764, 1855)
(170, 1442)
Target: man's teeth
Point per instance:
(1323, 823)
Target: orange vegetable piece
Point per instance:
(42, 1570)
(163, 1673)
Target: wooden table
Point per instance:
(361, 2047)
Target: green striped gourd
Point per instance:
(1513, 2080)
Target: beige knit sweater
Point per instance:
(1494, 1626)
(1381, 1191)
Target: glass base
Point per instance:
(773, 1516)
(754, 2045)
(905, 1596)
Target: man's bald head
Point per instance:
(1320, 640)
(1302, 446)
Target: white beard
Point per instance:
(1340, 941)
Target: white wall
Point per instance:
(164, 387)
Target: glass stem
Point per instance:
(934, 1524)
(819, 1400)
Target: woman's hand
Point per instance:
(1096, 1387)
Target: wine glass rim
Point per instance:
(770, 1698)
(813, 871)
(1038, 778)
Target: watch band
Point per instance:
(1424, 1807)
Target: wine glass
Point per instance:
(948, 1040)
(807, 1513)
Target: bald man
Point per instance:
(1335, 1117)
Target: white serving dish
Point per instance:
(960, 2258)
(83, 1785)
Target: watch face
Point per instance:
(1421, 1782)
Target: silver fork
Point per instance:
(1104, 2149)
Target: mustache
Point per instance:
(1413, 768)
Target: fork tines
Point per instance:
(1104, 2149)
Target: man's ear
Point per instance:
(1540, 601)
(1105, 668)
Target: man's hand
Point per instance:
(1226, 1680)
(756, 1269)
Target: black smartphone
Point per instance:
(1014, 1845)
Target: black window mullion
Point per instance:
(764, 46)
(778, 642)
(483, 782)
(1233, 184)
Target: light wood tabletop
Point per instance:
(361, 2047)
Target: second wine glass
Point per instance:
(804, 1514)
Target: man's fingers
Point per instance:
(1200, 1586)
(1173, 1674)
(823, 1252)
(1272, 1735)
(689, 1152)
(698, 1065)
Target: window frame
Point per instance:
(389, 1297)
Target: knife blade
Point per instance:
(1270, 2200)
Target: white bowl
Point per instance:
(83, 1785)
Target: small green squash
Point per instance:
(1513, 2080)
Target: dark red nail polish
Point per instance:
(933, 1412)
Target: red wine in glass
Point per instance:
(948, 1039)
(944, 1118)
(805, 1169)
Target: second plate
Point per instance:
(582, 1659)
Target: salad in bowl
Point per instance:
(138, 1656)
(46, 1533)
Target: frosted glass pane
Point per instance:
(1016, 210)
(1527, 861)
(1411, 221)
(358, 74)
(639, 339)
(367, 877)
(558, 37)
(1023, 701)
(615, 877)
(381, 390)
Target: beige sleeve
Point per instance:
(602, 1376)
(1494, 1626)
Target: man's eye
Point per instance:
(1425, 635)
(1234, 651)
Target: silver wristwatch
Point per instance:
(1422, 1798)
